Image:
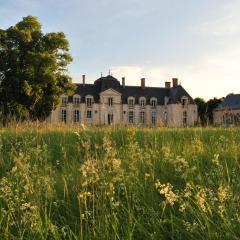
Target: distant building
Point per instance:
(108, 102)
(228, 113)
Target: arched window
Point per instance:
(131, 101)
(89, 100)
(64, 100)
(142, 101)
(76, 99)
(153, 102)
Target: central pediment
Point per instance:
(110, 92)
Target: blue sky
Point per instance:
(196, 41)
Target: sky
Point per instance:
(196, 41)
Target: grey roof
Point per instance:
(231, 102)
(104, 83)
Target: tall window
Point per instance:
(64, 100)
(76, 115)
(131, 101)
(76, 100)
(153, 102)
(142, 102)
(89, 114)
(110, 101)
(184, 118)
(154, 118)
(89, 101)
(64, 115)
(142, 117)
(131, 117)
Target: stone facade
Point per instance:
(228, 113)
(108, 102)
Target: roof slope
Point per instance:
(175, 93)
(231, 102)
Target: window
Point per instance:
(154, 118)
(184, 118)
(64, 100)
(64, 115)
(184, 101)
(76, 115)
(89, 101)
(153, 102)
(110, 101)
(131, 117)
(142, 101)
(76, 100)
(131, 101)
(142, 117)
(89, 114)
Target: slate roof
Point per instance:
(104, 83)
(231, 102)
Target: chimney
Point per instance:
(174, 82)
(142, 82)
(123, 82)
(167, 84)
(83, 80)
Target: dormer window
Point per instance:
(153, 102)
(184, 101)
(142, 101)
(89, 101)
(131, 101)
(76, 99)
(64, 100)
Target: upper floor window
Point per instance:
(142, 117)
(110, 101)
(131, 101)
(142, 101)
(64, 100)
(76, 99)
(76, 115)
(89, 101)
(64, 115)
(153, 102)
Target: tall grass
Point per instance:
(119, 183)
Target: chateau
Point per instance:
(109, 102)
(228, 113)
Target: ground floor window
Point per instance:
(76, 115)
(142, 117)
(64, 115)
(184, 118)
(154, 118)
(89, 114)
(131, 117)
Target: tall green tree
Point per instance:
(33, 70)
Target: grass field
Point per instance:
(119, 183)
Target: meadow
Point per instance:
(119, 183)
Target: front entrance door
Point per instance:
(110, 119)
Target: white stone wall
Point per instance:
(170, 115)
